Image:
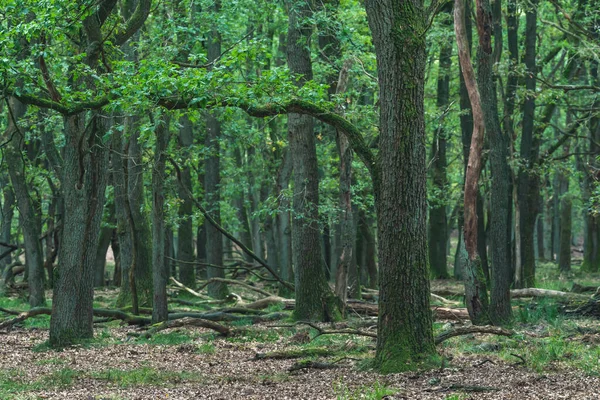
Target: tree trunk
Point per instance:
(475, 282)
(314, 299)
(83, 184)
(185, 235)
(160, 270)
(5, 233)
(528, 180)
(284, 228)
(564, 255)
(29, 214)
(500, 205)
(405, 322)
(212, 182)
(105, 236)
(438, 220)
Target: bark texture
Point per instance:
(399, 178)
(314, 299)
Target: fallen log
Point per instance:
(535, 292)
(186, 321)
(361, 308)
(467, 330)
(294, 353)
(187, 289)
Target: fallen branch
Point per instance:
(467, 330)
(535, 292)
(345, 331)
(187, 321)
(292, 354)
(234, 282)
(187, 289)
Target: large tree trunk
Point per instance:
(185, 233)
(160, 270)
(314, 299)
(83, 184)
(29, 214)
(438, 220)
(405, 322)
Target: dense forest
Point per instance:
(336, 187)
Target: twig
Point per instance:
(522, 362)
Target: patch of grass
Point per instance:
(39, 322)
(14, 303)
(145, 376)
(206, 348)
(60, 378)
(376, 391)
(51, 361)
(242, 322)
(14, 381)
(543, 310)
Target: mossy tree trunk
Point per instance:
(405, 330)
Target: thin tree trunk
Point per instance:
(475, 284)
(160, 271)
(185, 236)
(500, 205)
(314, 299)
(438, 220)
(29, 214)
(528, 180)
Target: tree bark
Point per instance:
(160, 270)
(29, 214)
(438, 220)
(528, 179)
(500, 223)
(399, 179)
(185, 236)
(83, 184)
(314, 299)
(475, 284)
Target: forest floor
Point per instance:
(550, 357)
